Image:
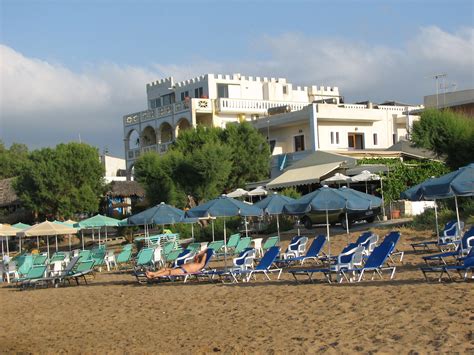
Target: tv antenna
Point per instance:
(437, 77)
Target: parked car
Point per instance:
(319, 217)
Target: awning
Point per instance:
(303, 176)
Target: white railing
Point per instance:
(355, 106)
(159, 148)
(253, 106)
(158, 112)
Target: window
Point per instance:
(375, 139)
(223, 90)
(184, 95)
(299, 143)
(332, 137)
(155, 103)
(394, 138)
(168, 99)
(198, 92)
(285, 89)
(337, 137)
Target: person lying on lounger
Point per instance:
(195, 266)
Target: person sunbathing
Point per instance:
(198, 263)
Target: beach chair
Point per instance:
(245, 260)
(265, 266)
(257, 244)
(124, 257)
(195, 247)
(57, 257)
(216, 245)
(394, 237)
(85, 255)
(242, 245)
(83, 269)
(40, 259)
(369, 242)
(172, 255)
(35, 272)
(233, 241)
(168, 247)
(184, 257)
(313, 252)
(56, 279)
(466, 266)
(296, 247)
(464, 246)
(270, 242)
(204, 272)
(349, 259)
(24, 264)
(374, 263)
(450, 233)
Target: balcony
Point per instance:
(155, 113)
(133, 154)
(260, 107)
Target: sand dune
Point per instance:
(114, 314)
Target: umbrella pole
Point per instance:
(2, 249)
(47, 242)
(436, 220)
(347, 227)
(457, 213)
(383, 201)
(278, 227)
(19, 245)
(366, 186)
(212, 227)
(56, 237)
(38, 242)
(225, 248)
(8, 248)
(192, 230)
(246, 229)
(70, 243)
(82, 235)
(327, 231)
(106, 234)
(99, 236)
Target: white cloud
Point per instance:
(45, 103)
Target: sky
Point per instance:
(70, 70)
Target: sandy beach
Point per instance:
(114, 314)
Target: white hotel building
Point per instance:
(296, 120)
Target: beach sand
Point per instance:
(113, 314)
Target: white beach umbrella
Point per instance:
(337, 178)
(238, 193)
(258, 191)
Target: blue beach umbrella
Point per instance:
(326, 199)
(453, 184)
(223, 206)
(273, 205)
(159, 214)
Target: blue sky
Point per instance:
(76, 67)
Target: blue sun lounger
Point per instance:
(374, 263)
(264, 267)
(465, 245)
(467, 265)
(313, 252)
(450, 233)
(345, 260)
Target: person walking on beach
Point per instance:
(197, 264)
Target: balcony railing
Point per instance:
(159, 148)
(253, 106)
(158, 112)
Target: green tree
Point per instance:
(203, 163)
(60, 182)
(402, 175)
(250, 154)
(12, 160)
(447, 134)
